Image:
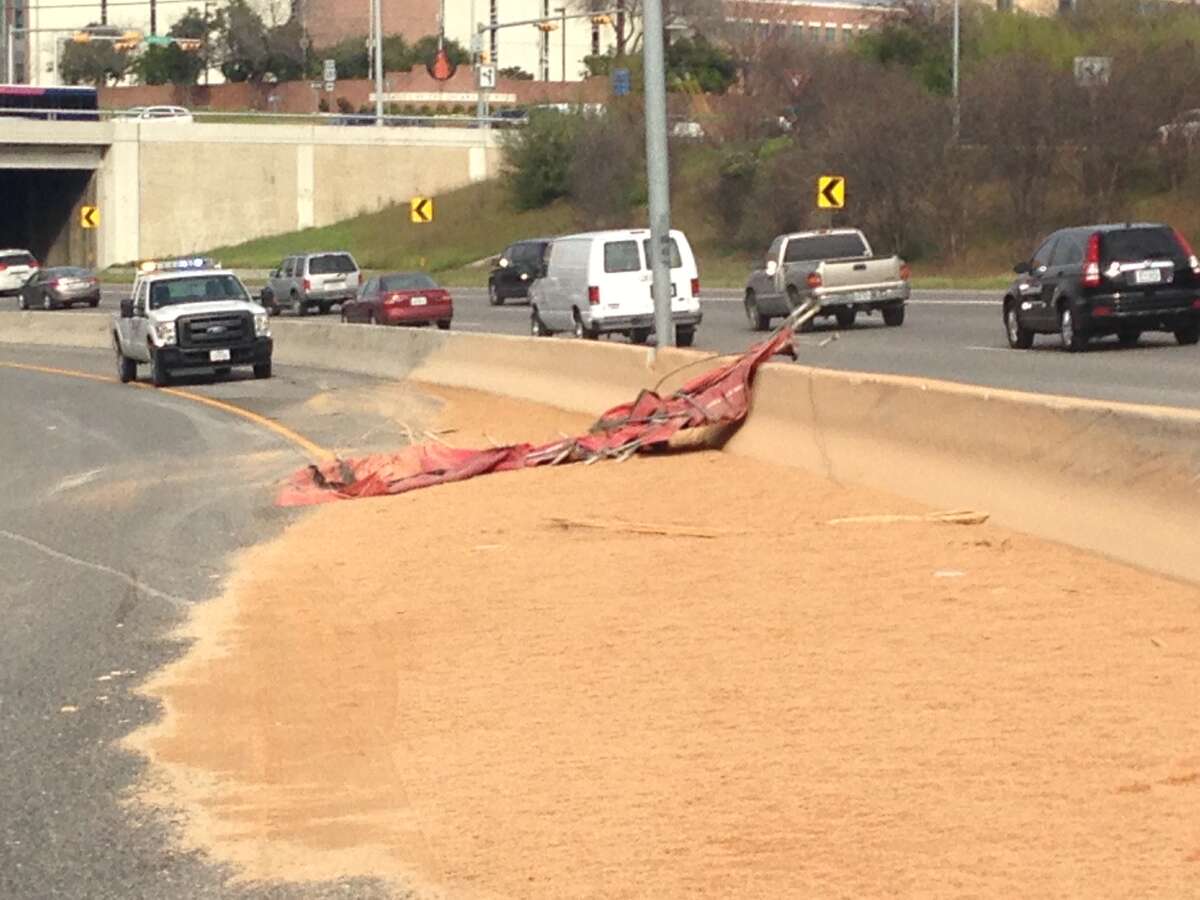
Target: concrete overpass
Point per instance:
(168, 188)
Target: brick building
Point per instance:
(331, 21)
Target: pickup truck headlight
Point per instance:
(262, 325)
(164, 333)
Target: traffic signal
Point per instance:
(601, 20)
(128, 41)
(188, 45)
(546, 26)
(485, 57)
(81, 37)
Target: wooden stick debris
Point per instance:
(950, 517)
(637, 528)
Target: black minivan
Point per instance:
(1106, 279)
(519, 266)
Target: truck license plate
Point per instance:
(218, 356)
(861, 296)
(418, 301)
(1147, 276)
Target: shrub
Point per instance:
(537, 158)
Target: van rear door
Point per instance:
(683, 271)
(621, 287)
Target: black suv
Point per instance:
(519, 266)
(1106, 279)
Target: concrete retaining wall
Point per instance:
(1118, 479)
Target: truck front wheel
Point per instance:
(126, 367)
(262, 370)
(158, 372)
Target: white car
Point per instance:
(600, 283)
(157, 114)
(16, 268)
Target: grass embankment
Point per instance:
(476, 222)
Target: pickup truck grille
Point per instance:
(215, 329)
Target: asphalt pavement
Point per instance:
(119, 508)
(950, 335)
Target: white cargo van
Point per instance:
(600, 283)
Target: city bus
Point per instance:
(51, 102)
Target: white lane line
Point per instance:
(141, 587)
(914, 302)
(990, 349)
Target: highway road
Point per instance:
(119, 508)
(951, 335)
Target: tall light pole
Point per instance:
(954, 76)
(657, 169)
(378, 18)
(562, 11)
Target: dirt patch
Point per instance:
(672, 677)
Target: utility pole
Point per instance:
(657, 169)
(378, 18)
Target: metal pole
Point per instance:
(378, 11)
(563, 11)
(954, 77)
(4, 32)
(657, 174)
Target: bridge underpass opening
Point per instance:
(40, 212)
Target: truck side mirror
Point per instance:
(1021, 268)
(771, 267)
(126, 307)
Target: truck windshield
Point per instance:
(198, 289)
(825, 246)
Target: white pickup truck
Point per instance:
(836, 268)
(190, 317)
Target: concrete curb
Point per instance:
(1118, 479)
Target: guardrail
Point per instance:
(1118, 479)
(394, 120)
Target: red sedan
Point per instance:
(400, 298)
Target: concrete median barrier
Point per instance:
(1118, 479)
(54, 329)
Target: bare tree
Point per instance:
(1014, 109)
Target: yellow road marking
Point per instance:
(312, 449)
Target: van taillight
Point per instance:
(905, 271)
(695, 287)
(1193, 263)
(307, 285)
(1091, 262)
(593, 295)
(814, 280)
(3, 266)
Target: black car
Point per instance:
(60, 286)
(1098, 280)
(519, 266)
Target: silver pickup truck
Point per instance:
(834, 267)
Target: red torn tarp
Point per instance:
(718, 397)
